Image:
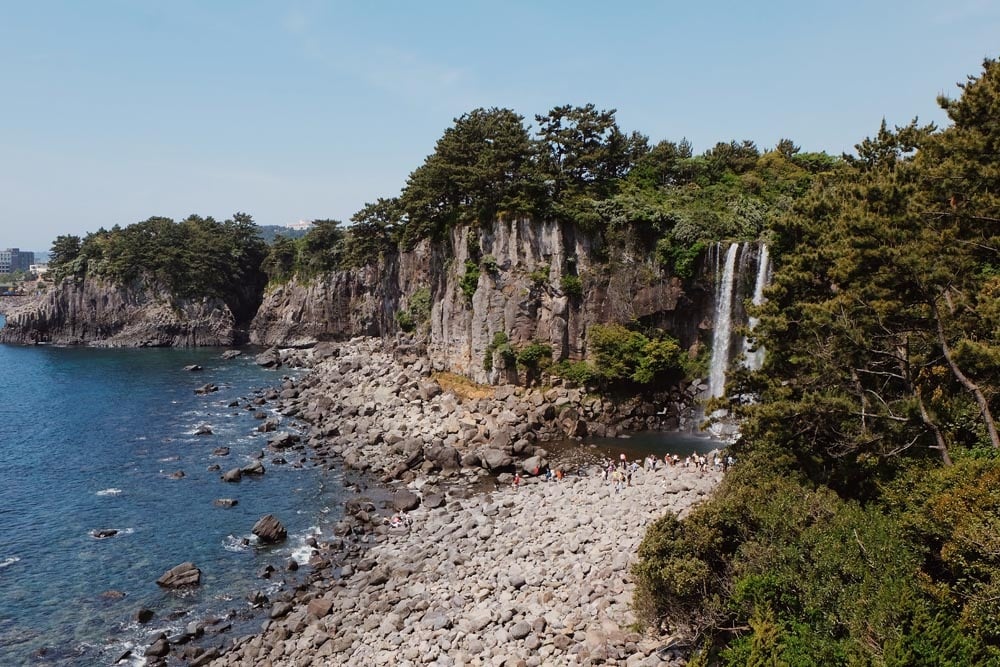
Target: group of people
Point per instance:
(620, 473)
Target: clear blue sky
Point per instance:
(112, 111)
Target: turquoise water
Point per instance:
(88, 439)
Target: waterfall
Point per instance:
(722, 325)
(754, 359)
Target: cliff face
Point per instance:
(538, 282)
(96, 313)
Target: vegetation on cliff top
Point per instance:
(860, 525)
(577, 167)
(192, 258)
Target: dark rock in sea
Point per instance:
(144, 615)
(269, 529)
(207, 389)
(269, 359)
(233, 475)
(112, 595)
(404, 501)
(255, 468)
(257, 598)
(278, 461)
(179, 576)
(292, 565)
(205, 658)
(215, 467)
(266, 571)
(260, 414)
(225, 502)
(103, 533)
(204, 429)
(177, 474)
(233, 404)
(159, 648)
(193, 367)
(267, 427)
(220, 451)
(231, 354)
(283, 440)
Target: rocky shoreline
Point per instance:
(486, 574)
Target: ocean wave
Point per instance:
(238, 543)
(109, 492)
(7, 562)
(301, 552)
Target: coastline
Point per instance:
(486, 574)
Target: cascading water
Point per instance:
(754, 359)
(722, 325)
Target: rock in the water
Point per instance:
(233, 475)
(231, 354)
(255, 468)
(158, 648)
(404, 501)
(144, 615)
(269, 359)
(185, 574)
(204, 429)
(193, 367)
(269, 529)
(207, 388)
(283, 441)
(103, 533)
(225, 502)
(220, 451)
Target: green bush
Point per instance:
(571, 286)
(499, 345)
(469, 282)
(578, 372)
(405, 321)
(621, 355)
(540, 275)
(534, 355)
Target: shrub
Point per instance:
(499, 345)
(540, 275)
(469, 282)
(571, 286)
(405, 321)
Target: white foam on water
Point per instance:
(109, 492)
(238, 543)
(7, 562)
(300, 551)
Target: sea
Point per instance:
(94, 439)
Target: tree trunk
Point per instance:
(984, 406)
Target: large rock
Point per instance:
(445, 457)
(283, 440)
(270, 358)
(494, 459)
(404, 501)
(534, 465)
(180, 576)
(233, 475)
(269, 530)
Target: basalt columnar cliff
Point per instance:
(98, 313)
(521, 291)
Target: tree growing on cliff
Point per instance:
(480, 167)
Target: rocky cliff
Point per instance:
(537, 282)
(94, 312)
